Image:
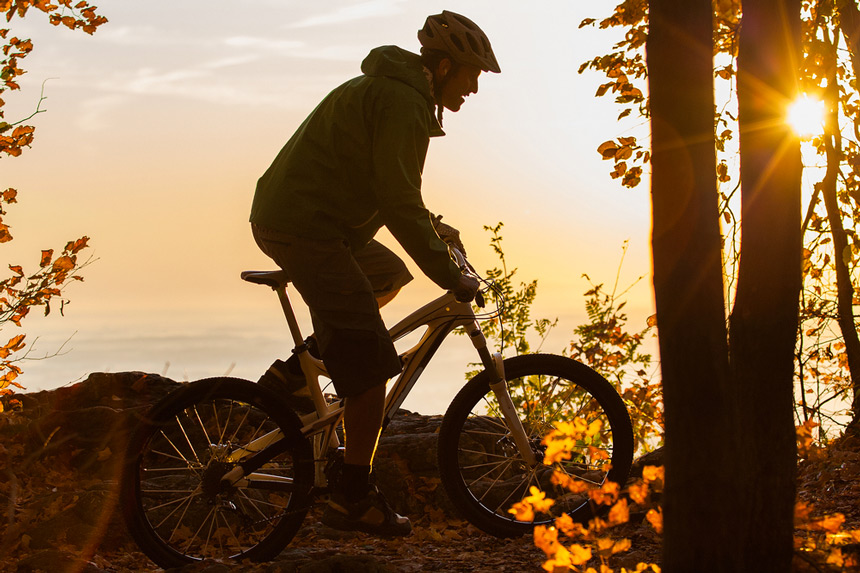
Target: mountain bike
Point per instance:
(222, 468)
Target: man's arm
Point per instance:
(400, 141)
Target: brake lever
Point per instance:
(479, 299)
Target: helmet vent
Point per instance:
(457, 43)
(459, 37)
(465, 22)
(473, 44)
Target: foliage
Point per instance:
(513, 325)
(81, 15)
(571, 546)
(605, 345)
(824, 380)
(21, 291)
(820, 540)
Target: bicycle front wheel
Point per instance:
(174, 503)
(481, 467)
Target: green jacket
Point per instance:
(355, 165)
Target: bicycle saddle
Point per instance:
(274, 279)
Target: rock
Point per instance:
(78, 434)
(655, 458)
(121, 390)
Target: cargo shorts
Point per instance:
(340, 287)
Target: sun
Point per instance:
(806, 116)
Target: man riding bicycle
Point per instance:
(353, 166)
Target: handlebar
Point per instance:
(467, 268)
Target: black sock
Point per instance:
(354, 482)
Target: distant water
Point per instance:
(189, 346)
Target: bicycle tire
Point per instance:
(171, 498)
(483, 472)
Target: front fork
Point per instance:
(498, 384)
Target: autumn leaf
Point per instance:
(73, 247)
(47, 255)
(605, 494)
(607, 149)
(655, 518)
(828, 523)
(653, 473)
(620, 513)
(15, 344)
(5, 235)
(64, 263)
(638, 492)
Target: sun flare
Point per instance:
(806, 116)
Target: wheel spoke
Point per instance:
(484, 471)
(177, 510)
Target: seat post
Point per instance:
(296, 332)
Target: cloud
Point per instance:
(286, 47)
(361, 11)
(229, 62)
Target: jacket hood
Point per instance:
(400, 64)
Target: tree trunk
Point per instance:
(763, 323)
(700, 497)
(841, 250)
(849, 23)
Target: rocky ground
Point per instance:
(60, 459)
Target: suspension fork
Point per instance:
(495, 367)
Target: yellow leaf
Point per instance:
(579, 554)
(621, 545)
(655, 518)
(594, 428)
(546, 538)
(538, 499)
(835, 557)
(607, 149)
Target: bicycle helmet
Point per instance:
(461, 38)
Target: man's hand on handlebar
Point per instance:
(448, 234)
(466, 289)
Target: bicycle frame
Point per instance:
(440, 317)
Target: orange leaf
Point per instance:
(619, 513)
(63, 264)
(638, 492)
(74, 246)
(47, 255)
(15, 344)
(655, 518)
(653, 473)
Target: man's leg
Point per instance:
(362, 421)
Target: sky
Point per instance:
(157, 127)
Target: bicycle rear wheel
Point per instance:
(481, 467)
(172, 499)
